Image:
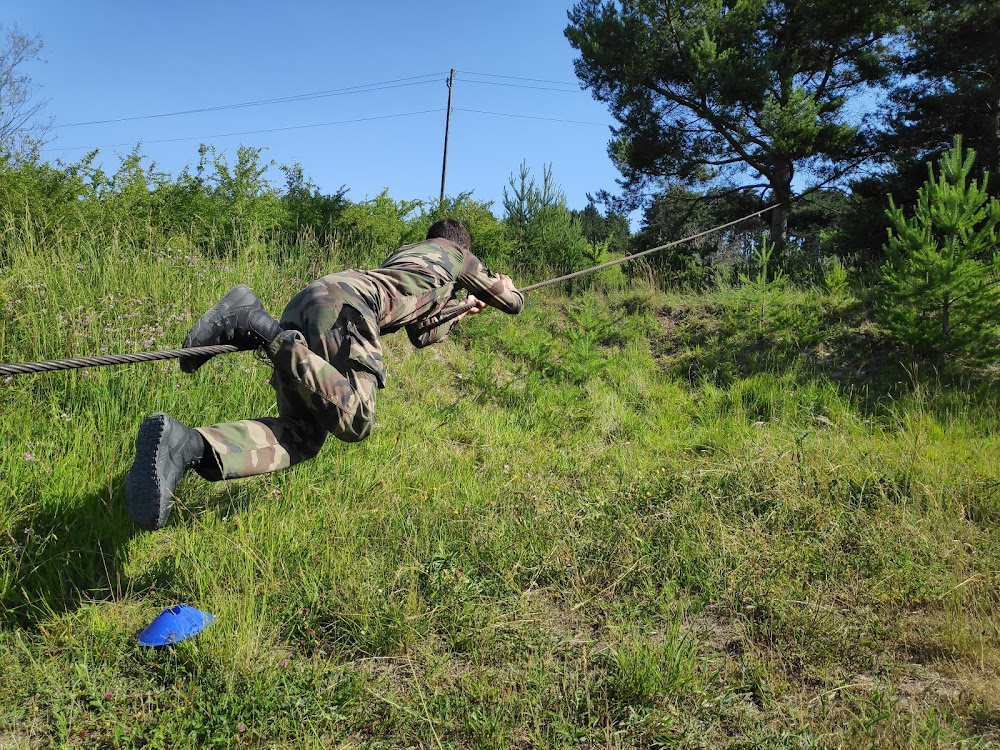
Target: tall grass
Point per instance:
(620, 519)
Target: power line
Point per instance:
(518, 78)
(347, 90)
(359, 89)
(336, 122)
(532, 117)
(522, 86)
(256, 132)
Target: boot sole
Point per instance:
(148, 502)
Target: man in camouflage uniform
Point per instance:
(327, 357)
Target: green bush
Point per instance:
(380, 223)
(489, 236)
(835, 278)
(224, 204)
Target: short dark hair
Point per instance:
(451, 229)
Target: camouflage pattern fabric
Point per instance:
(328, 361)
(419, 284)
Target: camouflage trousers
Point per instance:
(320, 391)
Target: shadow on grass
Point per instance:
(835, 346)
(67, 552)
(230, 498)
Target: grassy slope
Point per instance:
(674, 531)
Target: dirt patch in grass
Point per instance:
(18, 740)
(564, 625)
(718, 634)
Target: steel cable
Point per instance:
(25, 368)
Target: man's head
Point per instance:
(451, 229)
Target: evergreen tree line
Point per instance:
(822, 108)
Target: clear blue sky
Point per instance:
(108, 60)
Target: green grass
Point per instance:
(622, 519)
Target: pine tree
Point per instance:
(541, 224)
(735, 93)
(944, 264)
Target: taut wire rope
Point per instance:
(24, 368)
(460, 309)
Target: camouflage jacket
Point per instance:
(413, 289)
(419, 283)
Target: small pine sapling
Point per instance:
(943, 265)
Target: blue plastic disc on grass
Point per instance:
(174, 624)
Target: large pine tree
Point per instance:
(948, 85)
(951, 86)
(720, 93)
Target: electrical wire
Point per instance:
(336, 122)
(522, 86)
(345, 91)
(517, 78)
(359, 89)
(531, 117)
(256, 132)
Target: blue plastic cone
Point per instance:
(174, 624)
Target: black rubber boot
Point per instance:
(164, 450)
(238, 319)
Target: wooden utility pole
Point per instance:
(447, 127)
